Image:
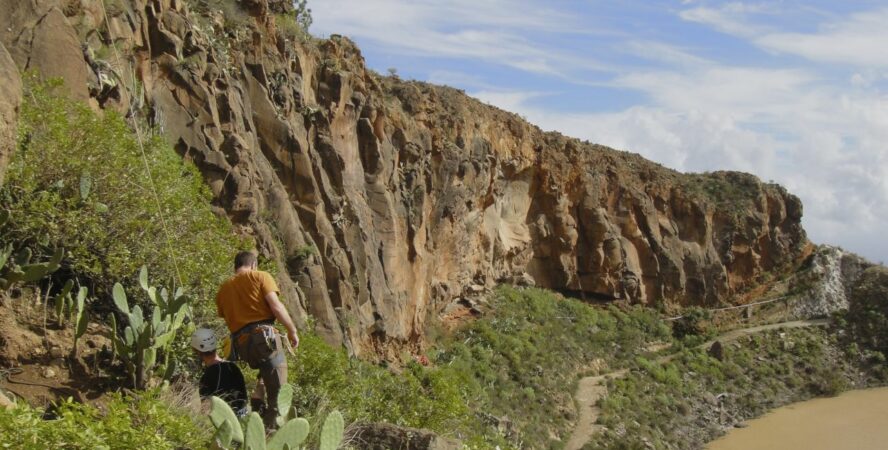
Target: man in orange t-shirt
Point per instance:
(248, 301)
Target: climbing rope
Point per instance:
(139, 139)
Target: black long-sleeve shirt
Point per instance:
(225, 380)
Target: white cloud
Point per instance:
(494, 31)
(457, 78)
(664, 53)
(729, 18)
(514, 101)
(741, 92)
(857, 40)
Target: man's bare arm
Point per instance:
(281, 314)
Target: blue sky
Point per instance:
(792, 91)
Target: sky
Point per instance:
(793, 91)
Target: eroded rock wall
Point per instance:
(10, 100)
(825, 282)
(382, 200)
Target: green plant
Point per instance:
(19, 268)
(729, 192)
(521, 361)
(144, 340)
(692, 323)
(82, 182)
(120, 422)
(302, 13)
(331, 434)
(867, 316)
(305, 252)
(663, 402)
(64, 302)
(74, 305)
(292, 433)
(288, 25)
(324, 377)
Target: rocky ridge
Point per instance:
(825, 282)
(383, 200)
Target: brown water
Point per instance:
(854, 420)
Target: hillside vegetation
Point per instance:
(113, 199)
(358, 189)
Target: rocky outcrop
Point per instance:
(5, 402)
(10, 99)
(382, 200)
(824, 284)
(40, 38)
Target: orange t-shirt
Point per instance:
(241, 299)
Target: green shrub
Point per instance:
(79, 181)
(289, 26)
(666, 401)
(693, 323)
(144, 422)
(522, 360)
(730, 192)
(867, 316)
(325, 378)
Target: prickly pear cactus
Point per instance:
(285, 405)
(254, 435)
(64, 303)
(228, 428)
(81, 316)
(331, 433)
(20, 269)
(290, 436)
(144, 342)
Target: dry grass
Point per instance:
(183, 396)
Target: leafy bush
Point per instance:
(290, 26)
(664, 403)
(79, 181)
(693, 322)
(730, 192)
(522, 360)
(144, 422)
(867, 317)
(325, 378)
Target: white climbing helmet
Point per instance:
(203, 340)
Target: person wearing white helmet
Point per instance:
(221, 378)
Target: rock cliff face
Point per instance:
(10, 99)
(825, 282)
(382, 200)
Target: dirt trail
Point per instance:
(590, 389)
